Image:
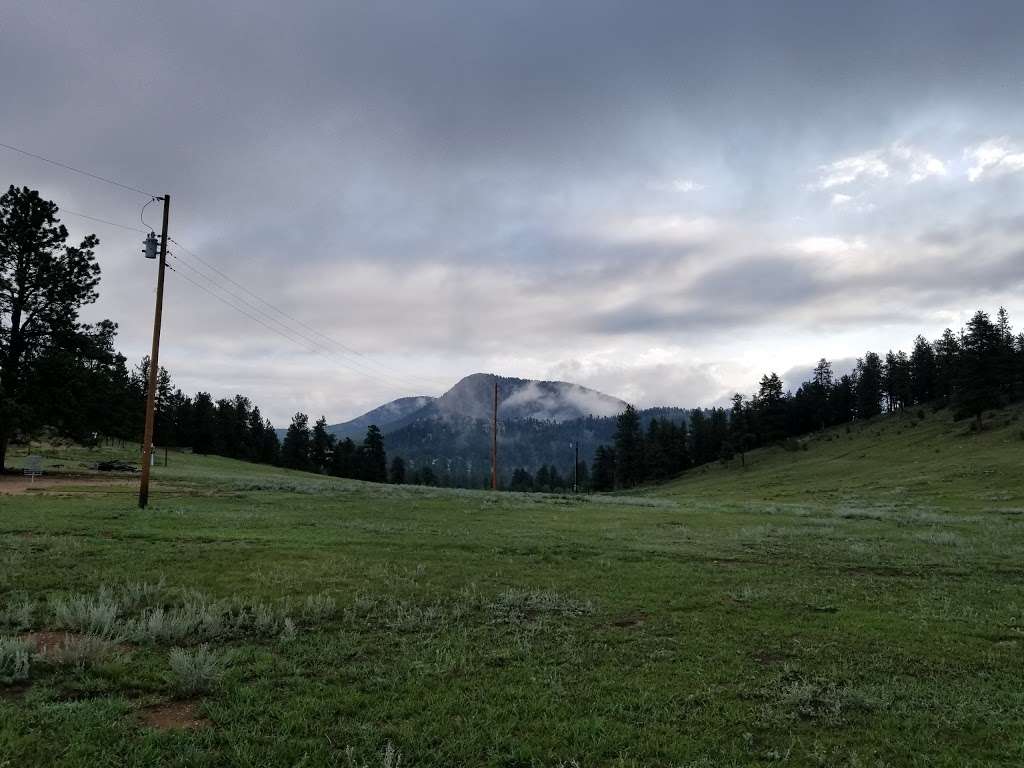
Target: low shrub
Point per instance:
(88, 614)
(79, 650)
(15, 660)
(196, 671)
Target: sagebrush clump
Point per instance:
(15, 660)
(194, 671)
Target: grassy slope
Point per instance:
(919, 457)
(855, 604)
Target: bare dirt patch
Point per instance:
(174, 716)
(46, 642)
(13, 692)
(769, 658)
(12, 485)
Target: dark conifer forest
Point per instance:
(63, 377)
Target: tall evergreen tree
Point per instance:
(603, 475)
(741, 433)
(204, 427)
(522, 481)
(922, 371)
(295, 449)
(397, 473)
(373, 461)
(344, 459)
(869, 386)
(629, 449)
(842, 401)
(947, 357)
(254, 436)
(896, 381)
(321, 446)
(44, 283)
(270, 446)
(980, 381)
(771, 408)
(582, 477)
(819, 393)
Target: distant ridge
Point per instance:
(384, 416)
(539, 424)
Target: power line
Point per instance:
(383, 370)
(67, 167)
(237, 309)
(104, 221)
(305, 340)
(288, 332)
(383, 375)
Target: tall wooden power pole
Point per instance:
(154, 365)
(576, 468)
(494, 441)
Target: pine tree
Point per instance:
(270, 446)
(869, 386)
(44, 283)
(896, 383)
(254, 435)
(842, 401)
(542, 482)
(582, 477)
(373, 461)
(771, 405)
(603, 475)
(980, 381)
(522, 480)
(343, 460)
(296, 446)
(947, 358)
(740, 433)
(922, 371)
(321, 446)
(397, 474)
(629, 449)
(820, 392)
(204, 427)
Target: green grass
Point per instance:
(857, 603)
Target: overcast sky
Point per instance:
(659, 200)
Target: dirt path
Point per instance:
(12, 485)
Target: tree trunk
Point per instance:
(3, 448)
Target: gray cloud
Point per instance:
(452, 189)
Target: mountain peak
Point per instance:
(473, 396)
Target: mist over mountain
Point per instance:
(383, 416)
(539, 423)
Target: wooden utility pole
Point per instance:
(576, 469)
(494, 441)
(154, 365)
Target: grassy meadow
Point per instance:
(857, 601)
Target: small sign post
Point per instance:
(33, 467)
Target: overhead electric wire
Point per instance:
(383, 374)
(238, 309)
(382, 370)
(104, 221)
(289, 332)
(142, 213)
(67, 167)
(256, 313)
